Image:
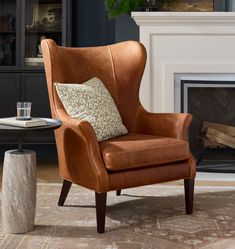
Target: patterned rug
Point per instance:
(151, 217)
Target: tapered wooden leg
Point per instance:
(118, 192)
(64, 192)
(100, 199)
(189, 194)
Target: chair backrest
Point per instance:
(120, 67)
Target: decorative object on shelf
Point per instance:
(6, 54)
(117, 7)
(7, 51)
(187, 5)
(7, 23)
(39, 46)
(151, 5)
(29, 27)
(34, 61)
(47, 16)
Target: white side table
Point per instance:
(19, 181)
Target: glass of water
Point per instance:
(23, 110)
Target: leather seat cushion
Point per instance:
(138, 150)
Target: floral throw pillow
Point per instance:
(92, 102)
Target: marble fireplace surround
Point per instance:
(183, 43)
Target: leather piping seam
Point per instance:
(186, 124)
(114, 74)
(52, 83)
(166, 146)
(163, 163)
(139, 104)
(81, 128)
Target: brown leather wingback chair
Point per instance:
(155, 149)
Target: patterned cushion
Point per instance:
(92, 102)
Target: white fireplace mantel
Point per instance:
(183, 43)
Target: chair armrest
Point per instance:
(79, 155)
(175, 125)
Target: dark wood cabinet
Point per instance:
(34, 89)
(9, 93)
(23, 24)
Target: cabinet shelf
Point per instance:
(43, 32)
(7, 32)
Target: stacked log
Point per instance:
(215, 135)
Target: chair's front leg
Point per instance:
(100, 199)
(189, 194)
(64, 192)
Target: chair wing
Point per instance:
(120, 67)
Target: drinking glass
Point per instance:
(23, 110)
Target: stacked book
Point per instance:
(34, 61)
(13, 121)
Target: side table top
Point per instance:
(51, 124)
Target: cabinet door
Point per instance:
(9, 33)
(9, 95)
(34, 89)
(40, 20)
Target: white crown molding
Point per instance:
(175, 18)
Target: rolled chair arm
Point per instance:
(175, 125)
(79, 155)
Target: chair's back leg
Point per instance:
(118, 192)
(100, 199)
(189, 194)
(64, 192)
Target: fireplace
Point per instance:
(213, 101)
(182, 43)
(199, 44)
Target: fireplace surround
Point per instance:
(183, 43)
(184, 46)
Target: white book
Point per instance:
(34, 59)
(23, 123)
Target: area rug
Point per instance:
(151, 217)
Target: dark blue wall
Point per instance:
(126, 29)
(92, 26)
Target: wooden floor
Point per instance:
(48, 172)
